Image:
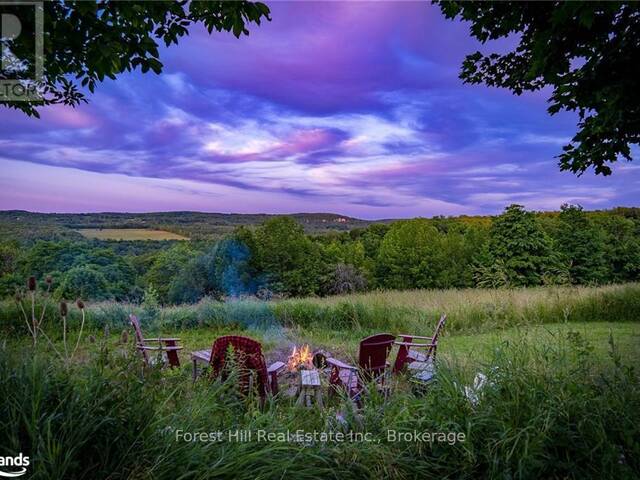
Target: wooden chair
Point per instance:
(372, 365)
(248, 356)
(420, 354)
(168, 346)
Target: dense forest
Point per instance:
(278, 258)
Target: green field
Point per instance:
(129, 234)
(563, 399)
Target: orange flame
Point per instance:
(300, 358)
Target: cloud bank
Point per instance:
(353, 107)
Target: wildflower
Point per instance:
(63, 309)
(124, 338)
(80, 304)
(48, 280)
(31, 283)
(92, 339)
(18, 297)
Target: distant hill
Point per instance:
(22, 225)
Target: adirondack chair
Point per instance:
(372, 365)
(421, 353)
(248, 355)
(168, 346)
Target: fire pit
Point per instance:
(300, 359)
(303, 371)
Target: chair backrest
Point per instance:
(139, 338)
(135, 323)
(374, 351)
(432, 351)
(248, 356)
(439, 328)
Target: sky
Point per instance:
(348, 107)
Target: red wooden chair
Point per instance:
(421, 352)
(248, 356)
(168, 346)
(372, 365)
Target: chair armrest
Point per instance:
(165, 349)
(161, 339)
(201, 355)
(411, 344)
(338, 364)
(404, 335)
(275, 367)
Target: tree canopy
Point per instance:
(588, 54)
(407, 254)
(582, 246)
(278, 259)
(519, 252)
(84, 42)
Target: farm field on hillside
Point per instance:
(129, 234)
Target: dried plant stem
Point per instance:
(79, 334)
(64, 335)
(26, 318)
(46, 304)
(33, 318)
(52, 345)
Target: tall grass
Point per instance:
(548, 411)
(468, 311)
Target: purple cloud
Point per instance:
(355, 108)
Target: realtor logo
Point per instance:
(21, 50)
(12, 467)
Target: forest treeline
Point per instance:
(277, 259)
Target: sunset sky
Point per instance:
(353, 108)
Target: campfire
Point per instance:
(300, 359)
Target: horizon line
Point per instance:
(293, 213)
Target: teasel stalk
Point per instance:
(18, 298)
(48, 280)
(53, 346)
(63, 313)
(80, 305)
(31, 286)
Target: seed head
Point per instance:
(48, 280)
(63, 308)
(80, 304)
(124, 338)
(92, 339)
(31, 283)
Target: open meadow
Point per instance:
(562, 398)
(129, 234)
